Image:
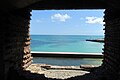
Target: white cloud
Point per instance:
(60, 17)
(94, 20)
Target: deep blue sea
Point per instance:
(66, 43)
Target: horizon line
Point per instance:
(69, 34)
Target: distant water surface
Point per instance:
(66, 43)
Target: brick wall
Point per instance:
(112, 43)
(15, 40)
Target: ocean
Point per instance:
(66, 43)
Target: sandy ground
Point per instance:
(58, 72)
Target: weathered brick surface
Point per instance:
(15, 40)
(112, 43)
(15, 52)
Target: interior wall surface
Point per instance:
(15, 41)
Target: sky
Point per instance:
(67, 22)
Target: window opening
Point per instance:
(66, 32)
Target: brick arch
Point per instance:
(15, 53)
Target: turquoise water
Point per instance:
(66, 43)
